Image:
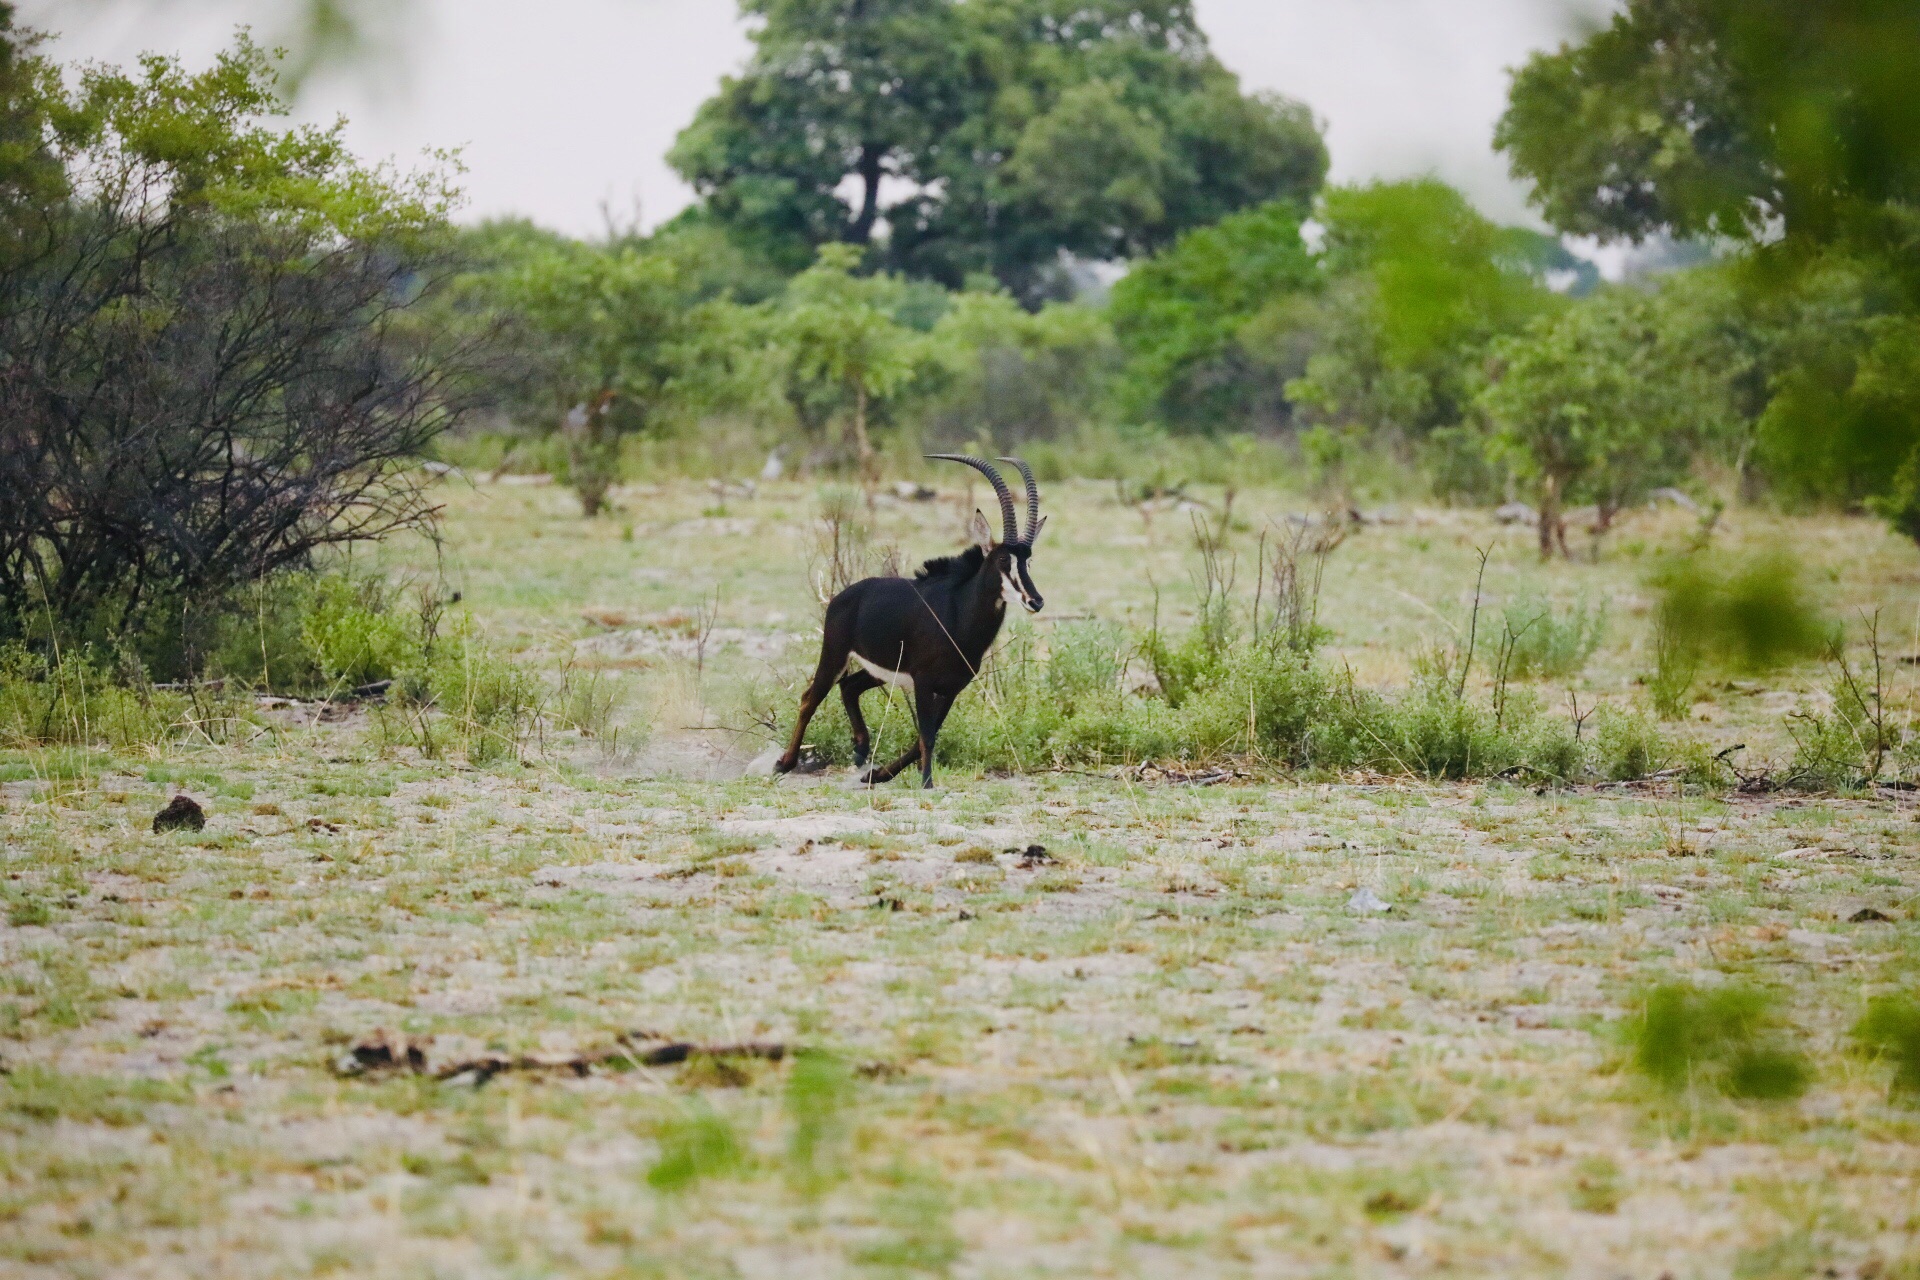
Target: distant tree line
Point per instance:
(908, 207)
(226, 345)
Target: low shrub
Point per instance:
(819, 1090)
(697, 1143)
(467, 695)
(1745, 615)
(322, 634)
(1890, 1032)
(315, 635)
(590, 702)
(1626, 745)
(490, 701)
(1067, 704)
(327, 634)
(1676, 665)
(1549, 643)
(76, 700)
(1749, 614)
(1200, 657)
(1860, 732)
(1726, 1038)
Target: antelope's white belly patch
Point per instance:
(898, 679)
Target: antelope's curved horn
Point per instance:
(1008, 519)
(1033, 499)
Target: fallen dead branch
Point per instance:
(384, 1050)
(1193, 778)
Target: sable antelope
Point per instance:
(926, 636)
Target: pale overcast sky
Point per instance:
(563, 108)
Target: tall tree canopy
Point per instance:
(1790, 125)
(1735, 118)
(965, 136)
(1241, 326)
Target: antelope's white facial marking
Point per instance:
(898, 679)
(1012, 592)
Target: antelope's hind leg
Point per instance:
(834, 651)
(852, 686)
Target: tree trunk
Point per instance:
(1604, 513)
(1747, 480)
(1552, 527)
(867, 476)
(861, 232)
(593, 452)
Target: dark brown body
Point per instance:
(929, 634)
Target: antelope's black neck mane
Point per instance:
(951, 570)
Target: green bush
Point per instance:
(1283, 705)
(1252, 699)
(489, 703)
(1551, 746)
(319, 634)
(77, 701)
(590, 702)
(1852, 740)
(819, 1090)
(1199, 659)
(1626, 745)
(1552, 644)
(1434, 732)
(1726, 1038)
(1748, 614)
(1031, 711)
(326, 634)
(699, 1143)
(1890, 1031)
(1676, 665)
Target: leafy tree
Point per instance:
(1792, 126)
(1015, 130)
(1842, 423)
(1600, 403)
(610, 322)
(1000, 373)
(207, 372)
(1728, 118)
(30, 175)
(1183, 317)
(835, 90)
(1382, 329)
(838, 337)
(1419, 283)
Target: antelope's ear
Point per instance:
(979, 532)
(1034, 536)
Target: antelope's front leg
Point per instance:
(892, 771)
(930, 710)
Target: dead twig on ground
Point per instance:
(384, 1050)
